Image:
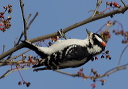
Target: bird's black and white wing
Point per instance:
(71, 56)
(35, 48)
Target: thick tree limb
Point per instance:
(90, 19)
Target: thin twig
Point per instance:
(3, 48)
(112, 23)
(24, 20)
(73, 75)
(19, 38)
(111, 71)
(3, 63)
(97, 7)
(28, 18)
(18, 55)
(10, 71)
(123, 3)
(122, 55)
(27, 27)
(32, 20)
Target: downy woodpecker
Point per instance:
(69, 53)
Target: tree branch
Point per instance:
(122, 55)
(24, 20)
(27, 27)
(73, 75)
(3, 63)
(97, 6)
(32, 20)
(123, 3)
(17, 55)
(10, 71)
(111, 71)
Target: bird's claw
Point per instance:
(61, 34)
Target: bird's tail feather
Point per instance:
(35, 48)
(30, 45)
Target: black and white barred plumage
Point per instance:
(68, 53)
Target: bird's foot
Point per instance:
(61, 34)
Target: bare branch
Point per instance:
(107, 26)
(3, 63)
(24, 20)
(111, 71)
(3, 48)
(123, 3)
(28, 17)
(10, 71)
(32, 20)
(18, 55)
(27, 26)
(97, 6)
(6, 73)
(122, 55)
(73, 75)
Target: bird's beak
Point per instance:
(88, 32)
(103, 43)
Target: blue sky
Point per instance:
(55, 15)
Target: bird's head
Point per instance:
(96, 39)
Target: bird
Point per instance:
(68, 53)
